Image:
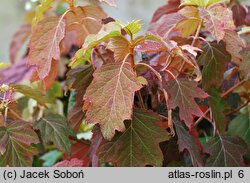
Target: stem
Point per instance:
(233, 88)
(239, 108)
(223, 96)
(140, 99)
(197, 33)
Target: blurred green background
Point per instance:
(12, 15)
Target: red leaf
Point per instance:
(182, 93)
(79, 79)
(111, 96)
(44, 45)
(50, 78)
(217, 19)
(79, 151)
(171, 7)
(70, 163)
(165, 24)
(239, 14)
(18, 40)
(188, 142)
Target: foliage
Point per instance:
(91, 90)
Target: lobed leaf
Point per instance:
(54, 128)
(214, 59)
(138, 145)
(44, 44)
(225, 151)
(16, 148)
(84, 20)
(217, 19)
(109, 98)
(186, 141)
(182, 93)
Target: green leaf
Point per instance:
(138, 145)
(112, 29)
(50, 158)
(40, 10)
(214, 59)
(240, 126)
(133, 27)
(217, 104)
(32, 93)
(201, 3)
(225, 151)
(110, 97)
(54, 128)
(16, 141)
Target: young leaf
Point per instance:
(84, 21)
(217, 19)
(245, 66)
(110, 97)
(40, 10)
(234, 44)
(201, 3)
(187, 141)
(138, 145)
(240, 126)
(15, 144)
(225, 151)
(79, 79)
(18, 40)
(32, 93)
(112, 29)
(214, 59)
(44, 44)
(120, 46)
(54, 128)
(133, 27)
(189, 25)
(217, 105)
(182, 93)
